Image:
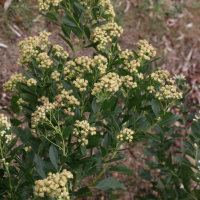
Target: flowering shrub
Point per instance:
(79, 110)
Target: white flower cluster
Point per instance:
(159, 76)
(55, 76)
(128, 81)
(31, 82)
(146, 51)
(43, 60)
(82, 130)
(54, 186)
(81, 84)
(126, 135)
(102, 63)
(105, 34)
(4, 122)
(109, 10)
(197, 118)
(108, 83)
(168, 92)
(12, 82)
(180, 78)
(45, 4)
(27, 47)
(58, 51)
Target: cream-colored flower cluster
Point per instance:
(131, 66)
(54, 186)
(128, 81)
(69, 70)
(27, 47)
(126, 135)
(126, 54)
(39, 116)
(112, 29)
(140, 76)
(65, 99)
(31, 82)
(20, 102)
(45, 4)
(151, 89)
(105, 34)
(109, 10)
(68, 111)
(55, 75)
(159, 76)
(83, 64)
(108, 83)
(168, 92)
(81, 84)
(58, 51)
(27, 149)
(12, 82)
(82, 130)
(59, 86)
(4, 122)
(44, 60)
(146, 51)
(102, 63)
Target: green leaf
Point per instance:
(79, 6)
(87, 31)
(115, 196)
(184, 161)
(161, 182)
(121, 169)
(153, 137)
(66, 132)
(27, 175)
(145, 174)
(119, 156)
(155, 108)
(94, 142)
(98, 24)
(28, 97)
(51, 16)
(83, 192)
(15, 122)
(83, 150)
(169, 118)
(14, 105)
(106, 142)
(95, 106)
(68, 22)
(53, 155)
(110, 184)
(123, 72)
(40, 164)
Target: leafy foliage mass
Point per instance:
(78, 111)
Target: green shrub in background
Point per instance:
(79, 110)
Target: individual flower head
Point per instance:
(146, 51)
(31, 82)
(45, 4)
(55, 76)
(81, 84)
(101, 63)
(54, 186)
(82, 130)
(125, 135)
(28, 47)
(107, 85)
(4, 123)
(10, 85)
(197, 118)
(58, 51)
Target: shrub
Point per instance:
(78, 111)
